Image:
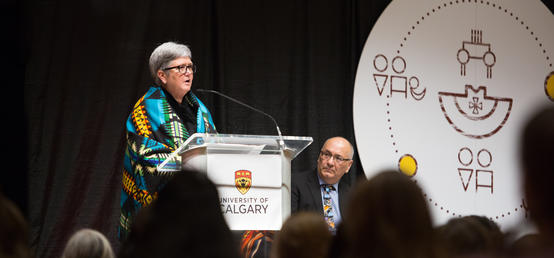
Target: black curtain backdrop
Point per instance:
(83, 64)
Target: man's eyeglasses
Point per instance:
(325, 155)
(183, 68)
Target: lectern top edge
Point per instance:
(264, 144)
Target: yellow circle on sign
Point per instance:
(549, 86)
(408, 165)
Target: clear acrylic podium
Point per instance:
(251, 173)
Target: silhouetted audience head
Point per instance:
(528, 245)
(388, 217)
(14, 231)
(470, 236)
(185, 221)
(537, 152)
(88, 243)
(304, 234)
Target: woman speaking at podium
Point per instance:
(160, 121)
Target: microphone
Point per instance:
(281, 140)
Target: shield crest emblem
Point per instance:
(243, 180)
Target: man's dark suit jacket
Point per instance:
(306, 192)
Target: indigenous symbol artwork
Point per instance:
(465, 112)
(442, 91)
(484, 160)
(396, 82)
(476, 49)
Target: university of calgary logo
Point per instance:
(243, 180)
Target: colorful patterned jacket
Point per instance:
(154, 131)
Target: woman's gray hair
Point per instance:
(88, 243)
(163, 55)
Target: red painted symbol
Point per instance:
(398, 83)
(474, 113)
(477, 50)
(483, 177)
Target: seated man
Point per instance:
(322, 189)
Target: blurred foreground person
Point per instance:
(88, 243)
(14, 231)
(185, 221)
(388, 217)
(303, 235)
(470, 236)
(537, 150)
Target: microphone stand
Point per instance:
(281, 139)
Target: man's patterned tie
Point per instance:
(328, 211)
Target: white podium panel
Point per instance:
(251, 173)
(250, 189)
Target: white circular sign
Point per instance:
(442, 91)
